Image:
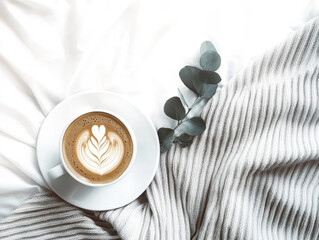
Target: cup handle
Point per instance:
(56, 172)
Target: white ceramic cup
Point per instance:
(62, 168)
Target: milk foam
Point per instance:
(99, 150)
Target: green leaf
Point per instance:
(194, 126)
(196, 79)
(210, 77)
(206, 84)
(184, 140)
(174, 108)
(208, 90)
(187, 74)
(206, 46)
(166, 138)
(210, 60)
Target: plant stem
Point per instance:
(188, 110)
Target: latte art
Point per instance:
(99, 151)
(97, 147)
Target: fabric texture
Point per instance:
(253, 174)
(52, 49)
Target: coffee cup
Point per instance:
(97, 148)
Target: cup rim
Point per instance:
(132, 135)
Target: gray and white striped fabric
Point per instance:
(253, 174)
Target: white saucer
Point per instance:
(132, 185)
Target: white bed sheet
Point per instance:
(50, 50)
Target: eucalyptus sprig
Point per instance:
(203, 82)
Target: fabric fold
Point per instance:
(253, 174)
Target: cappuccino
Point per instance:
(97, 147)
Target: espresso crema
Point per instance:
(97, 147)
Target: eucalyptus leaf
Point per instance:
(194, 78)
(206, 84)
(182, 97)
(166, 138)
(210, 60)
(206, 46)
(208, 90)
(185, 140)
(194, 126)
(187, 74)
(174, 108)
(209, 77)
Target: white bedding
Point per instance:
(50, 50)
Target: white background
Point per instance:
(50, 50)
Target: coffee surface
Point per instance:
(97, 147)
